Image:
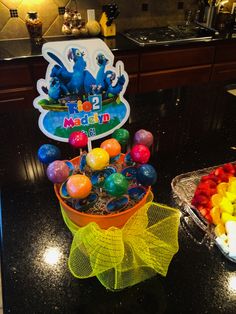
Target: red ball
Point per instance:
(78, 139)
(140, 153)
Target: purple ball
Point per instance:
(143, 137)
(58, 171)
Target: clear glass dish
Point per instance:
(184, 186)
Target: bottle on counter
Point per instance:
(92, 25)
(34, 27)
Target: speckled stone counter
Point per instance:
(199, 279)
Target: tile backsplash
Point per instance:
(12, 25)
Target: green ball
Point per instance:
(116, 184)
(121, 135)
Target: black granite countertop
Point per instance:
(23, 48)
(199, 279)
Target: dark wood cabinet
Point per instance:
(14, 97)
(176, 67)
(176, 58)
(224, 66)
(224, 71)
(15, 75)
(173, 78)
(15, 85)
(225, 52)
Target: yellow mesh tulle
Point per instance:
(123, 257)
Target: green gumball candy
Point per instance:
(121, 135)
(116, 185)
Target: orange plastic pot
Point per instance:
(104, 221)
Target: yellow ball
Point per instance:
(97, 159)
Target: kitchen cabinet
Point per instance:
(224, 67)
(13, 97)
(173, 68)
(15, 85)
(174, 78)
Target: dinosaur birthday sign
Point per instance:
(82, 90)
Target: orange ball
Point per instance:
(79, 186)
(112, 146)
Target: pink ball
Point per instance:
(143, 137)
(78, 139)
(140, 153)
(58, 171)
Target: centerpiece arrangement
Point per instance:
(119, 234)
(103, 181)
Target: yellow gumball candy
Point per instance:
(97, 159)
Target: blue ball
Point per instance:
(146, 175)
(48, 153)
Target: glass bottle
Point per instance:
(34, 27)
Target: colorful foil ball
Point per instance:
(112, 146)
(116, 185)
(78, 186)
(121, 135)
(146, 175)
(143, 137)
(58, 171)
(140, 153)
(97, 159)
(48, 153)
(78, 139)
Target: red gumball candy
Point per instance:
(78, 139)
(140, 153)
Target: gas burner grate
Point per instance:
(169, 34)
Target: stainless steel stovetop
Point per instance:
(169, 34)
